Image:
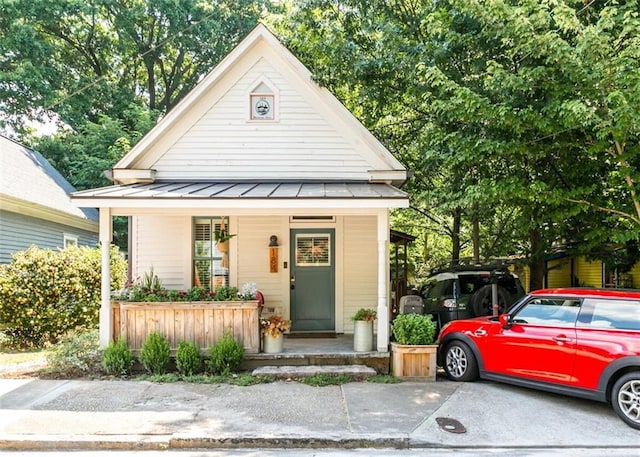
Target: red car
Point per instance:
(579, 342)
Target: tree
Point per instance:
(493, 104)
(83, 59)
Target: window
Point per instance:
(612, 314)
(69, 240)
(549, 311)
(313, 250)
(211, 252)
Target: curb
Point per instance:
(63, 442)
(169, 442)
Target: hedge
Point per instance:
(44, 294)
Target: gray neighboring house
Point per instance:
(35, 207)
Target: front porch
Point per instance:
(336, 351)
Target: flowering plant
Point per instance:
(365, 314)
(248, 291)
(274, 325)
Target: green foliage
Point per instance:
(117, 358)
(188, 358)
(155, 354)
(519, 119)
(226, 355)
(149, 289)
(414, 329)
(365, 314)
(323, 380)
(77, 353)
(44, 294)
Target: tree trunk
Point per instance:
(536, 267)
(476, 234)
(455, 236)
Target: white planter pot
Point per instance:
(363, 336)
(273, 345)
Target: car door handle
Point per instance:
(480, 332)
(562, 339)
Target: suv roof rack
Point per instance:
(467, 264)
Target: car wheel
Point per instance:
(459, 362)
(625, 398)
(482, 302)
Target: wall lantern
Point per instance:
(273, 254)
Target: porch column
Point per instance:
(106, 313)
(383, 281)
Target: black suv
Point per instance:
(465, 291)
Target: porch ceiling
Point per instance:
(165, 194)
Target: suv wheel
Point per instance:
(459, 362)
(481, 302)
(625, 398)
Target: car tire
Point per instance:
(459, 362)
(481, 301)
(625, 398)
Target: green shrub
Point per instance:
(155, 354)
(45, 294)
(414, 329)
(117, 358)
(77, 353)
(226, 355)
(188, 358)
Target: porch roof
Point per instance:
(164, 194)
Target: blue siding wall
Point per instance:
(18, 232)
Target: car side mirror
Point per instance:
(505, 320)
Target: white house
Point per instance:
(261, 151)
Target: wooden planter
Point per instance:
(203, 323)
(414, 362)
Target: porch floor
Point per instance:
(319, 352)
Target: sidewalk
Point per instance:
(46, 414)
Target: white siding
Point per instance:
(253, 258)
(360, 266)
(300, 144)
(164, 244)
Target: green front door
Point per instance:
(312, 280)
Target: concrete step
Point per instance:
(302, 371)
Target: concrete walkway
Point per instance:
(46, 414)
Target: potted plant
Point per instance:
(413, 351)
(272, 329)
(363, 329)
(222, 237)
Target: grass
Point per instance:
(323, 380)
(242, 379)
(15, 357)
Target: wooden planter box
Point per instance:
(203, 323)
(414, 362)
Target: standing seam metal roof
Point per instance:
(245, 190)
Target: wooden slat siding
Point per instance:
(360, 266)
(18, 232)
(266, 150)
(253, 256)
(161, 243)
(203, 323)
